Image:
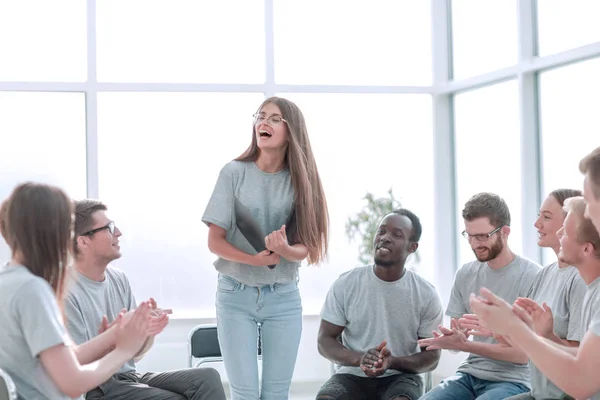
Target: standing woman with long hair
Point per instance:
(275, 178)
(35, 348)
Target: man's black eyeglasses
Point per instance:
(110, 227)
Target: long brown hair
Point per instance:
(38, 225)
(312, 216)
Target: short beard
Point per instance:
(386, 263)
(493, 252)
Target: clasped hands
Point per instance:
(277, 244)
(376, 360)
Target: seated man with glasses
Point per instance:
(100, 294)
(492, 370)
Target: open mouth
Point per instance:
(264, 134)
(383, 249)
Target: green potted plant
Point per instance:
(362, 226)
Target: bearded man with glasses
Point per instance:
(492, 370)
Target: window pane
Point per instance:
(387, 143)
(484, 36)
(488, 154)
(335, 42)
(181, 41)
(569, 124)
(43, 140)
(173, 146)
(564, 25)
(43, 40)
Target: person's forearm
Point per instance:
(145, 348)
(98, 372)
(558, 363)
(553, 337)
(334, 351)
(417, 363)
(226, 250)
(295, 253)
(496, 351)
(96, 348)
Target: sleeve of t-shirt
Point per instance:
(39, 316)
(595, 322)
(75, 322)
(576, 295)
(333, 310)
(456, 306)
(132, 303)
(431, 318)
(219, 210)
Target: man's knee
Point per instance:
(208, 378)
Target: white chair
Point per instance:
(8, 390)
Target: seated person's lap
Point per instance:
(465, 386)
(352, 387)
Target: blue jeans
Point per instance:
(467, 387)
(278, 309)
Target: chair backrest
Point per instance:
(203, 344)
(8, 390)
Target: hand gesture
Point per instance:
(543, 321)
(159, 318)
(105, 325)
(494, 313)
(447, 339)
(132, 334)
(264, 258)
(277, 241)
(376, 361)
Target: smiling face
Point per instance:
(550, 220)
(102, 245)
(392, 242)
(270, 128)
(486, 247)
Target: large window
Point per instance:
(488, 155)
(570, 124)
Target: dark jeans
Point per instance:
(352, 387)
(190, 384)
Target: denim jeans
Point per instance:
(467, 387)
(278, 310)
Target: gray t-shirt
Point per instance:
(509, 282)
(563, 290)
(269, 198)
(372, 310)
(31, 322)
(590, 314)
(88, 301)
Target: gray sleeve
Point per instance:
(456, 306)
(219, 210)
(333, 310)
(75, 323)
(576, 294)
(595, 322)
(131, 303)
(39, 317)
(431, 318)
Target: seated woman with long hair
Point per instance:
(35, 348)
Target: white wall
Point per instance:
(170, 352)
